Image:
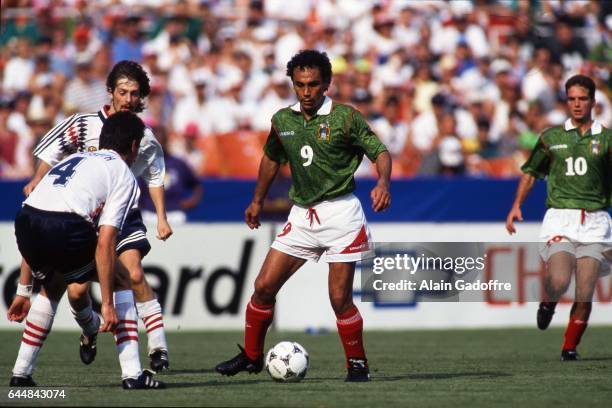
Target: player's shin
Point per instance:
(151, 314)
(38, 324)
(126, 334)
(257, 320)
(577, 325)
(350, 329)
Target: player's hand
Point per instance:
(109, 315)
(163, 229)
(30, 187)
(251, 215)
(514, 214)
(19, 309)
(381, 197)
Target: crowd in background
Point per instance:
(451, 87)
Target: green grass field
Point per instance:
(510, 367)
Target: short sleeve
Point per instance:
(123, 195)
(274, 148)
(360, 134)
(55, 145)
(150, 163)
(538, 163)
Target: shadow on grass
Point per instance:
(422, 376)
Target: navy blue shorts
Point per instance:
(133, 235)
(56, 242)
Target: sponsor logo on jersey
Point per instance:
(324, 132)
(92, 149)
(286, 133)
(595, 146)
(559, 146)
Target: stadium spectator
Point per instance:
(183, 190)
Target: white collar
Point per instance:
(596, 127)
(325, 109)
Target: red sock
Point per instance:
(573, 333)
(350, 329)
(257, 321)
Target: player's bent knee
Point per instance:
(264, 294)
(137, 277)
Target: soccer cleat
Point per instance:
(569, 355)
(358, 370)
(22, 381)
(144, 382)
(159, 360)
(88, 348)
(240, 363)
(545, 315)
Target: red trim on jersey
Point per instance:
(105, 111)
(582, 216)
(359, 244)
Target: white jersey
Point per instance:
(98, 186)
(81, 133)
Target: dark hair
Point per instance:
(311, 59)
(120, 130)
(133, 71)
(583, 81)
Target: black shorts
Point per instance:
(56, 242)
(133, 235)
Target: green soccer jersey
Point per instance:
(579, 168)
(323, 152)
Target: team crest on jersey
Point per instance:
(324, 132)
(92, 149)
(595, 146)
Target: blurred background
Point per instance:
(457, 90)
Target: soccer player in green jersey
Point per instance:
(576, 159)
(323, 142)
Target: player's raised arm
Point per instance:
(381, 197)
(267, 171)
(525, 186)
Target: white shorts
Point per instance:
(579, 232)
(336, 228)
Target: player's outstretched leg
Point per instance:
(38, 325)
(546, 310)
(250, 359)
(148, 307)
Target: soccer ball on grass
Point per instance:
(287, 362)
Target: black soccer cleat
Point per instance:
(545, 315)
(569, 355)
(88, 348)
(240, 363)
(159, 360)
(144, 382)
(358, 370)
(22, 381)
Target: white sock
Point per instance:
(151, 314)
(87, 319)
(38, 324)
(126, 335)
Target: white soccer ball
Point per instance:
(287, 362)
